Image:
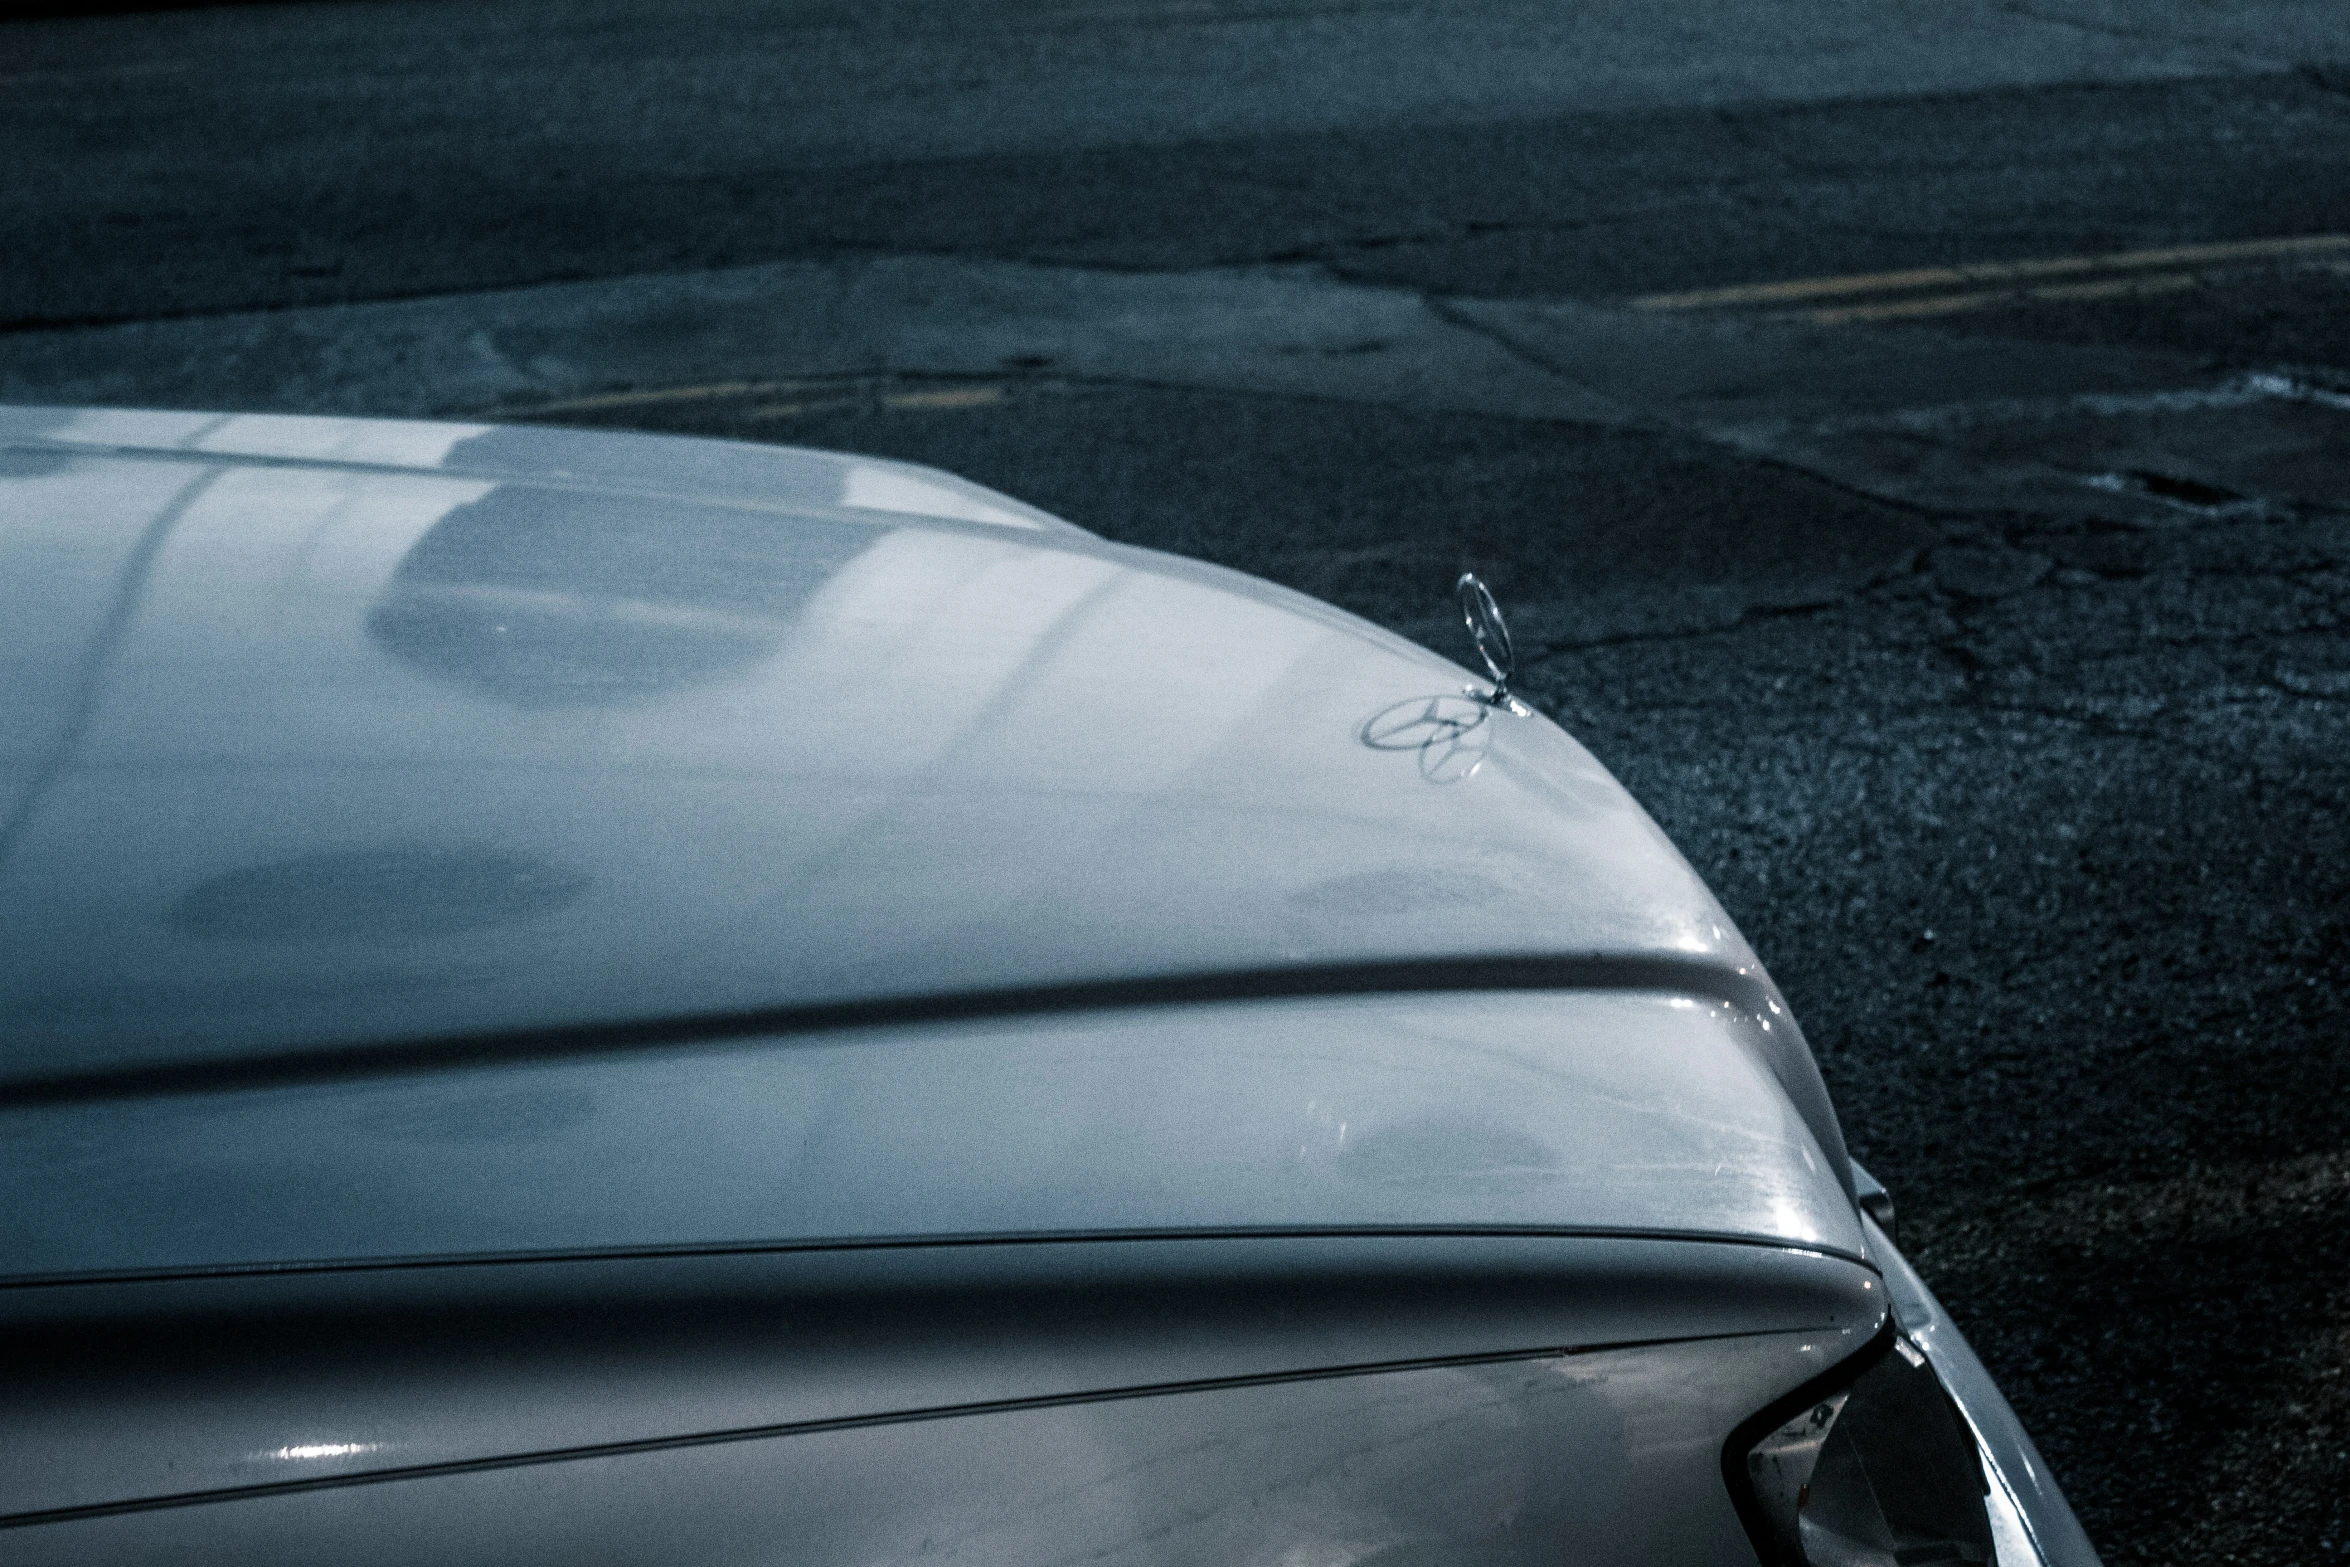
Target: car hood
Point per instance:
(333, 740)
(1455, 1113)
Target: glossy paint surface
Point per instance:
(810, 1007)
(208, 1386)
(368, 743)
(1609, 1456)
(1590, 1112)
(592, 998)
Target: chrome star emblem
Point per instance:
(1491, 633)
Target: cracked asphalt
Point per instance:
(1966, 594)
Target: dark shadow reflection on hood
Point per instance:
(376, 894)
(550, 598)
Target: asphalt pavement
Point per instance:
(1911, 440)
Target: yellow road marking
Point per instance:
(666, 394)
(957, 397)
(1932, 305)
(1948, 304)
(1977, 274)
(2113, 288)
(821, 405)
(1805, 288)
(944, 397)
(950, 397)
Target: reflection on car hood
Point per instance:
(1452, 1113)
(333, 734)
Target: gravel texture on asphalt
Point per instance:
(2037, 821)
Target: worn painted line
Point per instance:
(665, 394)
(2118, 288)
(802, 410)
(954, 397)
(1947, 304)
(1932, 305)
(949, 397)
(1975, 274)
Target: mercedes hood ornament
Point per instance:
(1491, 633)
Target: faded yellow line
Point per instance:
(1806, 288)
(824, 405)
(944, 397)
(667, 394)
(1978, 273)
(1949, 304)
(957, 397)
(2114, 288)
(950, 397)
(1931, 305)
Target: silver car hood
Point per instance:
(331, 742)
(1525, 1113)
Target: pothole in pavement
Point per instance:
(2192, 493)
(2236, 451)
